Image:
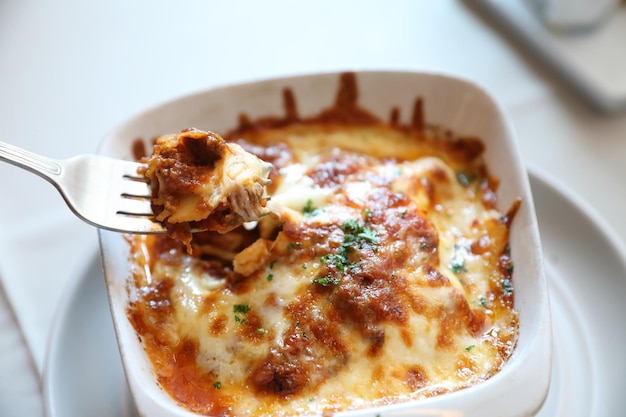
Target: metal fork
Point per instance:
(104, 192)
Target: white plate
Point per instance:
(19, 387)
(586, 269)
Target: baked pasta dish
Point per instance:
(381, 274)
(199, 181)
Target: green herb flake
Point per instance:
(470, 347)
(462, 247)
(352, 226)
(309, 209)
(457, 265)
(507, 287)
(270, 277)
(368, 235)
(356, 232)
(293, 245)
(217, 385)
(357, 235)
(241, 308)
(327, 280)
(465, 178)
(339, 260)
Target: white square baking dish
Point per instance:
(520, 388)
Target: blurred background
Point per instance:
(71, 71)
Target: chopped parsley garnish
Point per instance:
(217, 385)
(356, 235)
(507, 287)
(292, 245)
(351, 226)
(470, 347)
(270, 277)
(462, 247)
(465, 178)
(457, 265)
(309, 209)
(327, 280)
(356, 232)
(240, 309)
(369, 235)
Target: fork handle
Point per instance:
(40, 165)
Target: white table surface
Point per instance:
(71, 71)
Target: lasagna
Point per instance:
(199, 181)
(382, 274)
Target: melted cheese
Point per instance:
(380, 277)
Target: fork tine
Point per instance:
(134, 209)
(137, 224)
(134, 206)
(130, 210)
(134, 188)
